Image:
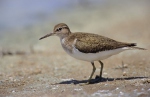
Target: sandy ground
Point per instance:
(29, 67)
(33, 74)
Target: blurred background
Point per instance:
(29, 66)
(23, 22)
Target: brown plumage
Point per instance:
(92, 43)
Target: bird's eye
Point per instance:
(58, 29)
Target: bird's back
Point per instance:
(92, 43)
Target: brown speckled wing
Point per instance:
(92, 43)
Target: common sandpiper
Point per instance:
(89, 47)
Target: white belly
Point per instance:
(94, 56)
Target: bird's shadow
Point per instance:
(94, 81)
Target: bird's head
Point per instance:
(61, 30)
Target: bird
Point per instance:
(88, 46)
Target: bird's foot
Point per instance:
(98, 78)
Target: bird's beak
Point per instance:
(50, 34)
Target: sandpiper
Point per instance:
(89, 47)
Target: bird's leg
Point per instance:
(92, 72)
(90, 75)
(101, 71)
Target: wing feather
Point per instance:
(92, 43)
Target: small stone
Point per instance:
(13, 91)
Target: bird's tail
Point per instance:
(132, 46)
